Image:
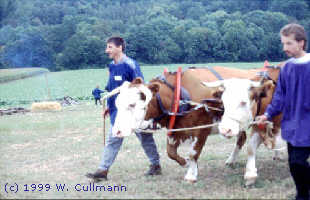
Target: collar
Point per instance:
(122, 60)
(301, 60)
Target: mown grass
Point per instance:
(61, 147)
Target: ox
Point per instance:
(243, 100)
(139, 106)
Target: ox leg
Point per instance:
(195, 148)
(240, 142)
(172, 147)
(192, 172)
(280, 145)
(251, 170)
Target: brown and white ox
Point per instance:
(138, 106)
(243, 100)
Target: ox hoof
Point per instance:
(230, 164)
(278, 159)
(250, 182)
(192, 181)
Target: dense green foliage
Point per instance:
(71, 34)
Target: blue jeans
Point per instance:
(114, 144)
(96, 100)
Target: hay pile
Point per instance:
(46, 106)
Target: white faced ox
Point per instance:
(138, 106)
(235, 95)
(244, 99)
(131, 106)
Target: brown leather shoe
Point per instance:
(99, 175)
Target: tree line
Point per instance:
(71, 34)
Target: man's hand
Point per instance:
(261, 119)
(105, 112)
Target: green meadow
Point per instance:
(77, 84)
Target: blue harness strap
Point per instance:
(215, 73)
(184, 96)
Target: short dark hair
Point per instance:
(297, 30)
(117, 41)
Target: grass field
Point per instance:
(61, 147)
(42, 150)
(77, 84)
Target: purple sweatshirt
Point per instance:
(292, 97)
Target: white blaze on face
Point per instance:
(131, 106)
(237, 105)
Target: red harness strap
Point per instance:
(177, 92)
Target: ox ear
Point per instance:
(154, 87)
(213, 83)
(267, 86)
(218, 93)
(256, 84)
(219, 90)
(137, 80)
(263, 90)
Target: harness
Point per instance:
(215, 73)
(184, 97)
(218, 76)
(184, 104)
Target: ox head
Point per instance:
(238, 96)
(132, 103)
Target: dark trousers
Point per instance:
(97, 99)
(300, 169)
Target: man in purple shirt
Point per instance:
(292, 98)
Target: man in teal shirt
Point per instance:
(121, 69)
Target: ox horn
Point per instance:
(256, 83)
(113, 92)
(116, 90)
(213, 83)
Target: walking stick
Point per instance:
(103, 109)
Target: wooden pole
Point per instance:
(48, 89)
(103, 130)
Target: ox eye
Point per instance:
(142, 96)
(218, 94)
(242, 103)
(133, 105)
